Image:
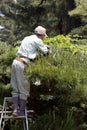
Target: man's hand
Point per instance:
(49, 49)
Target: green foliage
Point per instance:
(17, 17)
(58, 84)
(81, 8)
(52, 121)
(81, 31)
(5, 91)
(62, 76)
(58, 81)
(63, 56)
(81, 12)
(7, 53)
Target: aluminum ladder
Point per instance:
(6, 114)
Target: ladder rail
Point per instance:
(2, 112)
(27, 127)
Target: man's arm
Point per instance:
(43, 48)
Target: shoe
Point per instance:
(15, 113)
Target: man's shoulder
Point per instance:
(35, 38)
(32, 38)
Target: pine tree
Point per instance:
(22, 16)
(80, 11)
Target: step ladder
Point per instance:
(6, 114)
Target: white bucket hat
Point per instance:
(40, 30)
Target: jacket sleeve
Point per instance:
(42, 47)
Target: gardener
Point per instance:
(28, 51)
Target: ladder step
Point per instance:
(12, 117)
(8, 112)
(8, 99)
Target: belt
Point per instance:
(32, 60)
(21, 60)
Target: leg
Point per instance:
(21, 82)
(22, 107)
(15, 89)
(23, 91)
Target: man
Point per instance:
(28, 51)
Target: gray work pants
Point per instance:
(20, 86)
